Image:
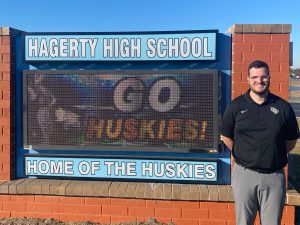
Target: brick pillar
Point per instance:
(7, 105)
(269, 43)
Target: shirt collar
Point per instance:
(269, 98)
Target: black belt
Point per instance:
(266, 171)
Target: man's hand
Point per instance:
(227, 141)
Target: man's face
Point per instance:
(259, 80)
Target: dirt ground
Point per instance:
(34, 221)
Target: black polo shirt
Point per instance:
(260, 131)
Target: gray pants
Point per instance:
(257, 192)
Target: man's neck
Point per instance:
(259, 99)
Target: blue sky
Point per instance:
(156, 15)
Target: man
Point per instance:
(260, 128)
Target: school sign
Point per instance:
(133, 47)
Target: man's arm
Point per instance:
(228, 142)
(292, 130)
(290, 145)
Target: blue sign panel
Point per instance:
(121, 47)
(109, 168)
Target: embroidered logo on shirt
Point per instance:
(274, 110)
(243, 111)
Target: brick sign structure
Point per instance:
(113, 200)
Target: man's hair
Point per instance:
(257, 64)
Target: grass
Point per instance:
(295, 94)
(295, 83)
(294, 159)
(294, 165)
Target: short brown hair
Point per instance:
(257, 64)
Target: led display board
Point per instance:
(121, 110)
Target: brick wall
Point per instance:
(7, 105)
(269, 43)
(114, 210)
